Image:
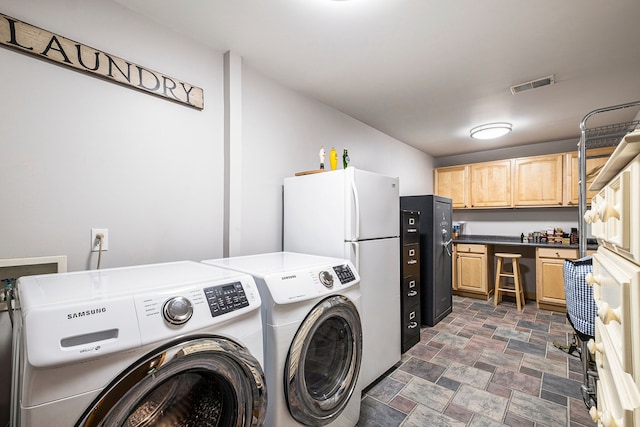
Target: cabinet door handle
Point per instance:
(591, 216)
(593, 279)
(607, 314)
(604, 417)
(607, 210)
(595, 348)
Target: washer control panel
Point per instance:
(226, 298)
(160, 314)
(344, 273)
(87, 314)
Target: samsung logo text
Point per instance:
(86, 313)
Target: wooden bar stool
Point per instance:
(502, 279)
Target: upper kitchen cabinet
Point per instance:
(452, 182)
(538, 180)
(596, 158)
(490, 184)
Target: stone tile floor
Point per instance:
(483, 366)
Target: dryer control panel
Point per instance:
(295, 285)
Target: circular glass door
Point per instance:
(206, 382)
(324, 362)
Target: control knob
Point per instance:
(177, 310)
(326, 279)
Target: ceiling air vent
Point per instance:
(544, 81)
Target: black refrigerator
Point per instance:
(436, 250)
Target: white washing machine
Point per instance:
(313, 336)
(170, 344)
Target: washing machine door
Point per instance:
(323, 363)
(208, 381)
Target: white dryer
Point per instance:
(164, 344)
(313, 336)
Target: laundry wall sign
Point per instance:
(43, 44)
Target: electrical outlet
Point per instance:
(95, 242)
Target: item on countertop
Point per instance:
(522, 238)
(333, 158)
(345, 159)
(322, 155)
(461, 225)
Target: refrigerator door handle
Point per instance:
(356, 204)
(356, 255)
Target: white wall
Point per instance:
(80, 152)
(282, 132)
(513, 222)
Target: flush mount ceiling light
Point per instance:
(490, 130)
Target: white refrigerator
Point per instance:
(354, 214)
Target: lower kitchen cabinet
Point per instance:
(550, 277)
(473, 273)
(473, 270)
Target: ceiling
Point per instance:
(427, 71)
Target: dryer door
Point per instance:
(207, 381)
(323, 363)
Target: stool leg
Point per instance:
(516, 281)
(497, 297)
(524, 302)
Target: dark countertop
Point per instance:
(513, 241)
